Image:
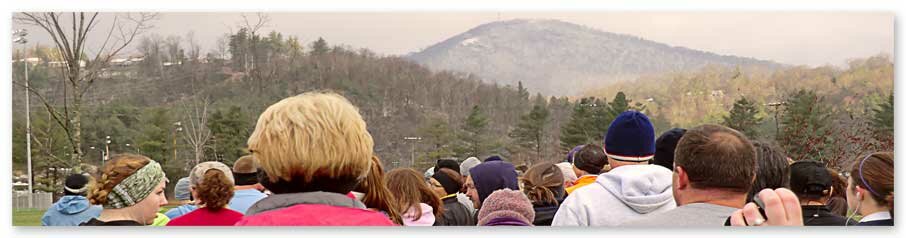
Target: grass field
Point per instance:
(32, 217)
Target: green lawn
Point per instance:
(32, 217)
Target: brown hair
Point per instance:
(117, 169)
(543, 183)
(837, 202)
(377, 195)
(214, 190)
(772, 171)
(411, 189)
(245, 164)
(717, 157)
(875, 174)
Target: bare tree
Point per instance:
(197, 133)
(81, 70)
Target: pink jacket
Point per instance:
(312, 209)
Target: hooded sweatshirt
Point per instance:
(70, 210)
(493, 175)
(625, 193)
(427, 218)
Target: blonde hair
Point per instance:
(312, 135)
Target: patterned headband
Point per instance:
(136, 187)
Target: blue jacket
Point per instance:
(243, 199)
(180, 210)
(70, 210)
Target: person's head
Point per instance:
(315, 141)
(664, 147)
(713, 162)
(491, 176)
(445, 182)
(181, 190)
(410, 190)
(506, 207)
(131, 185)
(376, 194)
(212, 185)
(589, 160)
(447, 163)
(772, 170)
(629, 140)
(543, 184)
(245, 172)
(870, 187)
(569, 176)
(468, 164)
(75, 185)
(571, 155)
(837, 201)
(811, 182)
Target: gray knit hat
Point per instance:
(181, 190)
(468, 164)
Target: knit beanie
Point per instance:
(447, 163)
(493, 158)
(181, 190)
(506, 203)
(567, 169)
(429, 172)
(450, 185)
(630, 137)
(468, 164)
(665, 145)
(75, 184)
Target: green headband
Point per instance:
(136, 187)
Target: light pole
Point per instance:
(177, 127)
(137, 149)
(776, 106)
(412, 155)
(107, 149)
(20, 39)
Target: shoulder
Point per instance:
(316, 214)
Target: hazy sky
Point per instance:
(811, 38)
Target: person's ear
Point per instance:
(682, 178)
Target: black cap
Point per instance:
(809, 179)
(75, 184)
(665, 145)
(446, 163)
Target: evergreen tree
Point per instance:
(319, 47)
(806, 126)
(743, 117)
(883, 117)
(229, 131)
(585, 124)
(440, 136)
(529, 132)
(619, 104)
(473, 136)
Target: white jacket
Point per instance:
(625, 193)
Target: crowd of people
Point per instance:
(312, 163)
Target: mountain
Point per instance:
(560, 58)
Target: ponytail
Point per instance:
(543, 184)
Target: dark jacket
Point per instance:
(96, 222)
(820, 215)
(888, 222)
(544, 214)
(311, 209)
(455, 214)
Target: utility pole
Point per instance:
(177, 128)
(776, 106)
(412, 154)
(20, 39)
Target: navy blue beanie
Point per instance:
(665, 146)
(493, 175)
(630, 137)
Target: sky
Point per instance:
(796, 38)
